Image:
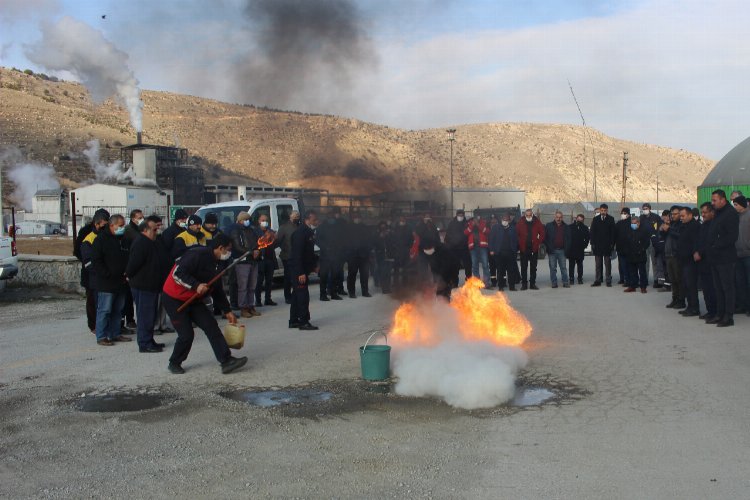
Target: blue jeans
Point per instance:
(624, 268)
(557, 258)
(146, 310)
(480, 254)
(109, 308)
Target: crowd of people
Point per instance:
(142, 278)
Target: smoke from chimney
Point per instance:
(73, 46)
(111, 172)
(306, 53)
(27, 176)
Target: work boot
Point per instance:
(175, 368)
(729, 321)
(690, 313)
(253, 312)
(121, 338)
(246, 313)
(308, 326)
(324, 298)
(270, 302)
(671, 305)
(366, 294)
(336, 297)
(524, 286)
(105, 342)
(629, 289)
(232, 364)
(554, 285)
(533, 286)
(596, 283)
(643, 290)
(712, 320)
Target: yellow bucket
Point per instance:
(235, 335)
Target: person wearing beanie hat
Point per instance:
(245, 240)
(83, 251)
(210, 227)
(178, 225)
(190, 237)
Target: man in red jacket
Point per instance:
(478, 234)
(530, 232)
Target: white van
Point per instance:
(278, 211)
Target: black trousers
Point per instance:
(197, 313)
(690, 284)
(494, 277)
(723, 275)
(385, 268)
(528, 267)
(358, 265)
(674, 270)
(604, 261)
(327, 281)
(299, 310)
(505, 263)
(572, 265)
(91, 308)
(128, 311)
(288, 281)
(233, 294)
(709, 292)
(401, 270)
(265, 280)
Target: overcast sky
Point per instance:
(673, 73)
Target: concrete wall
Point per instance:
(48, 270)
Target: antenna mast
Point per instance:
(593, 151)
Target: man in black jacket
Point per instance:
(178, 226)
(579, 240)
(622, 244)
(650, 222)
(723, 255)
(704, 265)
(687, 245)
(329, 239)
(674, 271)
(82, 249)
(403, 239)
(302, 262)
(602, 240)
(457, 244)
(110, 258)
(358, 259)
(637, 241)
(190, 277)
(148, 266)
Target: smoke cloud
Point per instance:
(27, 176)
(111, 172)
(73, 46)
(303, 54)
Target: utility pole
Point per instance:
(624, 178)
(657, 182)
(452, 139)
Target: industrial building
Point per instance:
(118, 199)
(731, 173)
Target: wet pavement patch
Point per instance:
(118, 402)
(531, 396)
(268, 399)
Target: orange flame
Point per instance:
(268, 239)
(479, 318)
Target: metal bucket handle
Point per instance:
(364, 348)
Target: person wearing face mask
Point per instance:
(302, 262)
(266, 263)
(602, 233)
(190, 237)
(85, 253)
(579, 240)
(503, 247)
(674, 271)
(622, 245)
(110, 258)
(557, 241)
(178, 225)
(530, 232)
(687, 244)
(244, 239)
(403, 240)
(477, 233)
(284, 242)
(360, 247)
(329, 240)
(650, 222)
(147, 272)
(131, 230)
(457, 243)
(638, 241)
(189, 277)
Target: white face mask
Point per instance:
(246, 223)
(137, 222)
(646, 212)
(313, 227)
(529, 219)
(460, 218)
(264, 224)
(506, 223)
(429, 251)
(624, 216)
(183, 225)
(226, 256)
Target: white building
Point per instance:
(49, 205)
(120, 199)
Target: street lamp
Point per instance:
(451, 138)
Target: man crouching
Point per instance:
(188, 277)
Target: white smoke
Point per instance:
(27, 176)
(111, 172)
(73, 46)
(466, 374)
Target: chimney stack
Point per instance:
(139, 138)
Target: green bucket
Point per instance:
(375, 360)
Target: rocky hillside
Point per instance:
(52, 121)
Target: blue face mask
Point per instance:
(120, 231)
(634, 226)
(246, 223)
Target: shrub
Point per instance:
(28, 72)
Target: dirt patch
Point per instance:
(46, 245)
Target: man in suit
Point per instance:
(602, 241)
(303, 261)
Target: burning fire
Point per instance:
(480, 317)
(265, 241)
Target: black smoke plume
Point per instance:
(305, 53)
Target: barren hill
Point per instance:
(52, 121)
